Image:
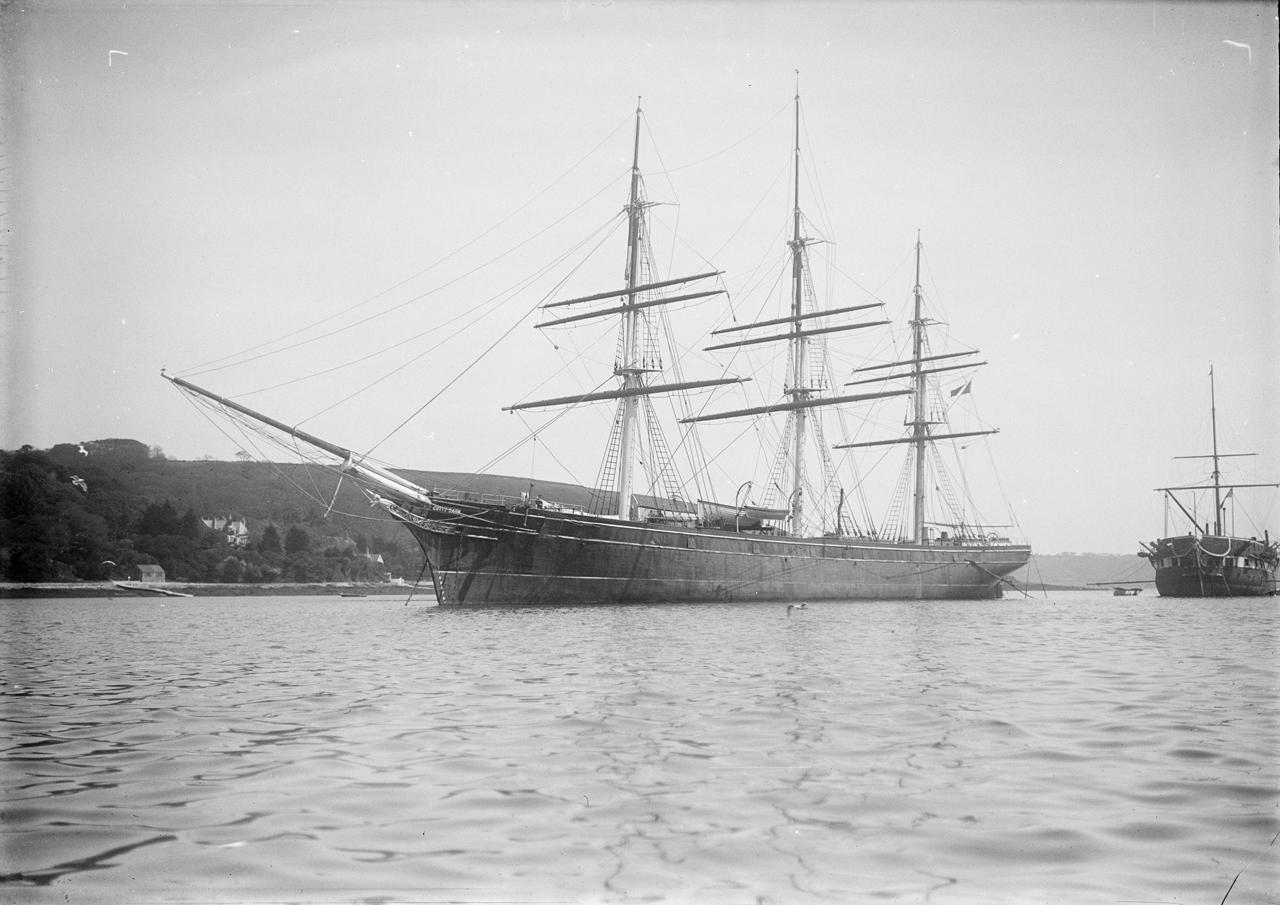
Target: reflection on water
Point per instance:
(1082, 748)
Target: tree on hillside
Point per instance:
(50, 525)
(190, 526)
(304, 567)
(297, 541)
(158, 519)
(270, 542)
(231, 570)
(122, 451)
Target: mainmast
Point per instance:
(798, 391)
(629, 367)
(919, 433)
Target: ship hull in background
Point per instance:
(526, 556)
(1213, 566)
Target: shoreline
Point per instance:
(12, 590)
(107, 589)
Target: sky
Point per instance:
(1095, 185)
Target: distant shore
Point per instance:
(53, 589)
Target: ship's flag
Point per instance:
(961, 390)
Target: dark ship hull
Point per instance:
(519, 555)
(1213, 566)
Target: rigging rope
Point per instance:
(783, 109)
(209, 366)
(461, 329)
(247, 428)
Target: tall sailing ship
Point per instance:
(642, 543)
(1210, 560)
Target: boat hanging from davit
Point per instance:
(661, 537)
(1212, 560)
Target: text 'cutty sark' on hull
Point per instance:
(652, 530)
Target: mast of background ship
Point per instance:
(1217, 474)
(629, 368)
(920, 431)
(797, 391)
(1218, 486)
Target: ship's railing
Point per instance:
(965, 541)
(471, 496)
(447, 494)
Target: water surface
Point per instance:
(1078, 748)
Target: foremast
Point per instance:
(629, 367)
(637, 354)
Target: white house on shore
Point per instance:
(235, 531)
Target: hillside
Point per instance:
(97, 510)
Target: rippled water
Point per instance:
(1080, 748)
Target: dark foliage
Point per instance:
(297, 541)
(270, 542)
(97, 510)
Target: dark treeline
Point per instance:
(98, 510)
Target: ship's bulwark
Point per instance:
(529, 556)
